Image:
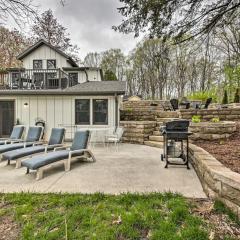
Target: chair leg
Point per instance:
(39, 174)
(67, 164)
(18, 163)
(92, 156)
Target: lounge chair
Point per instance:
(204, 105)
(16, 134)
(61, 154)
(174, 103)
(34, 135)
(18, 155)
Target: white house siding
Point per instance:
(56, 111)
(93, 75)
(43, 53)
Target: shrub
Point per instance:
(237, 96)
(196, 119)
(129, 110)
(203, 96)
(215, 120)
(225, 97)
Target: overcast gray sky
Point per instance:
(89, 23)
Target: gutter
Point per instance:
(39, 92)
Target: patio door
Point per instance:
(6, 118)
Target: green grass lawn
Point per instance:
(102, 217)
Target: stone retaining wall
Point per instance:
(144, 105)
(218, 181)
(212, 131)
(137, 131)
(135, 115)
(232, 114)
(132, 115)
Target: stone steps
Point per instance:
(156, 138)
(154, 144)
(157, 133)
(163, 120)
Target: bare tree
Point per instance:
(19, 10)
(93, 59)
(48, 28)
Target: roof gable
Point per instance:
(43, 42)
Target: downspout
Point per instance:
(116, 112)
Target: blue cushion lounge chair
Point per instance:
(79, 149)
(16, 134)
(18, 155)
(33, 136)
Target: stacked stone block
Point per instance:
(137, 131)
(212, 131)
(218, 181)
(232, 114)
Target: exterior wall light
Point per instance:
(25, 105)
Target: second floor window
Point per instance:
(51, 64)
(37, 64)
(73, 79)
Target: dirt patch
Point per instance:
(220, 223)
(227, 151)
(9, 230)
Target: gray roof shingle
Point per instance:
(86, 88)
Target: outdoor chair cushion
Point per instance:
(17, 132)
(19, 153)
(10, 147)
(34, 134)
(57, 136)
(43, 160)
(80, 140)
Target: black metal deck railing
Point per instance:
(35, 79)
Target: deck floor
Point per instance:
(133, 168)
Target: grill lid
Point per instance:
(177, 125)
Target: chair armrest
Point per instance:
(17, 141)
(61, 148)
(77, 152)
(38, 143)
(55, 145)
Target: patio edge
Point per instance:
(218, 181)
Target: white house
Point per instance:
(53, 88)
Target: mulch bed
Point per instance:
(225, 151)
(221, 224)
(9, 229)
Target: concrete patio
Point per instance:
(134, 168)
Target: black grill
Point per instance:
(175, 131)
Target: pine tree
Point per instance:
(237, 96)
(225, 97)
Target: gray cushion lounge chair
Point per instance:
(34, 135)
(56, 140)
(61, 154)
(16, 134)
